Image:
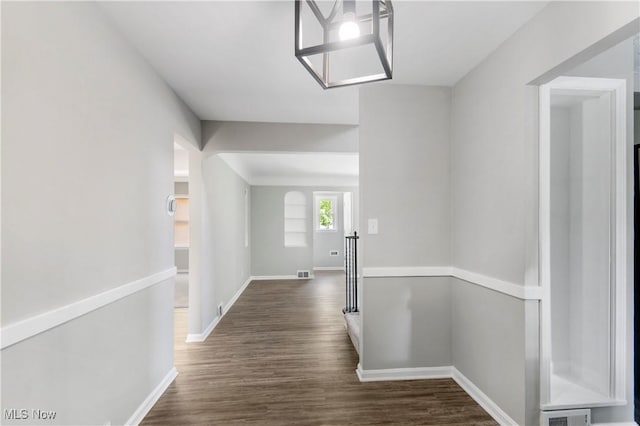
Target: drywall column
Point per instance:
(404, 185)
(226, 261)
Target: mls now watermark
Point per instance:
(28, 414)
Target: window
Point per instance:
(295, 219)
(325, 213)
(181, 222)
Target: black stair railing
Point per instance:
(351, 272)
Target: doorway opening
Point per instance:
(181, 225)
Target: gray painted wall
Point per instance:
(105, 128)
(269, 256)
(494, 172)
(404, 160)
(490, 167)
(406, 323)
(404, 174)
(237, 136)
(488, 344)
(226, 260)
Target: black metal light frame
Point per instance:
(381, 9)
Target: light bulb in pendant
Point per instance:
(349, 29)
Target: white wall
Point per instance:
(105, 128)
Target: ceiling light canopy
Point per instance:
(345, 42)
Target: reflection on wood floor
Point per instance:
(281, 356)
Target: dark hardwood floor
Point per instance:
(281, 356)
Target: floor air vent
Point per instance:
(567, 418)
(304, 274)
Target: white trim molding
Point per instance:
(201, 337)
(444, 372)
(279, 277)
(615, 424)
(515, 290)
(152, 398)
(482, 399)
(505, 287)
(391, 374)
(407, 271)
(29, 327)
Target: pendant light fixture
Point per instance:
(345, 42)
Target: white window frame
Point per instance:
(316, 211)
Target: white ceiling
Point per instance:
(234, 60)
(295, 169)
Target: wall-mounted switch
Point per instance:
(372, 226)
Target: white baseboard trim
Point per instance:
(22, 330)
(328, 268)
(201, 337)
(391, 374)
(444, 372)
(505, 287)
(151, 400)
(279, 277)
(482, 399)
(615, 424)
(235, 297)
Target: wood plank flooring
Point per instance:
(281, 356)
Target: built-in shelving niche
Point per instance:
(583, 242)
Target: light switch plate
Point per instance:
(372, 226)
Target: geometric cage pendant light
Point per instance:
(345, 42)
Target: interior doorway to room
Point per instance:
(181, 226)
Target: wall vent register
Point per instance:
(304, 274)
(581, 417)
